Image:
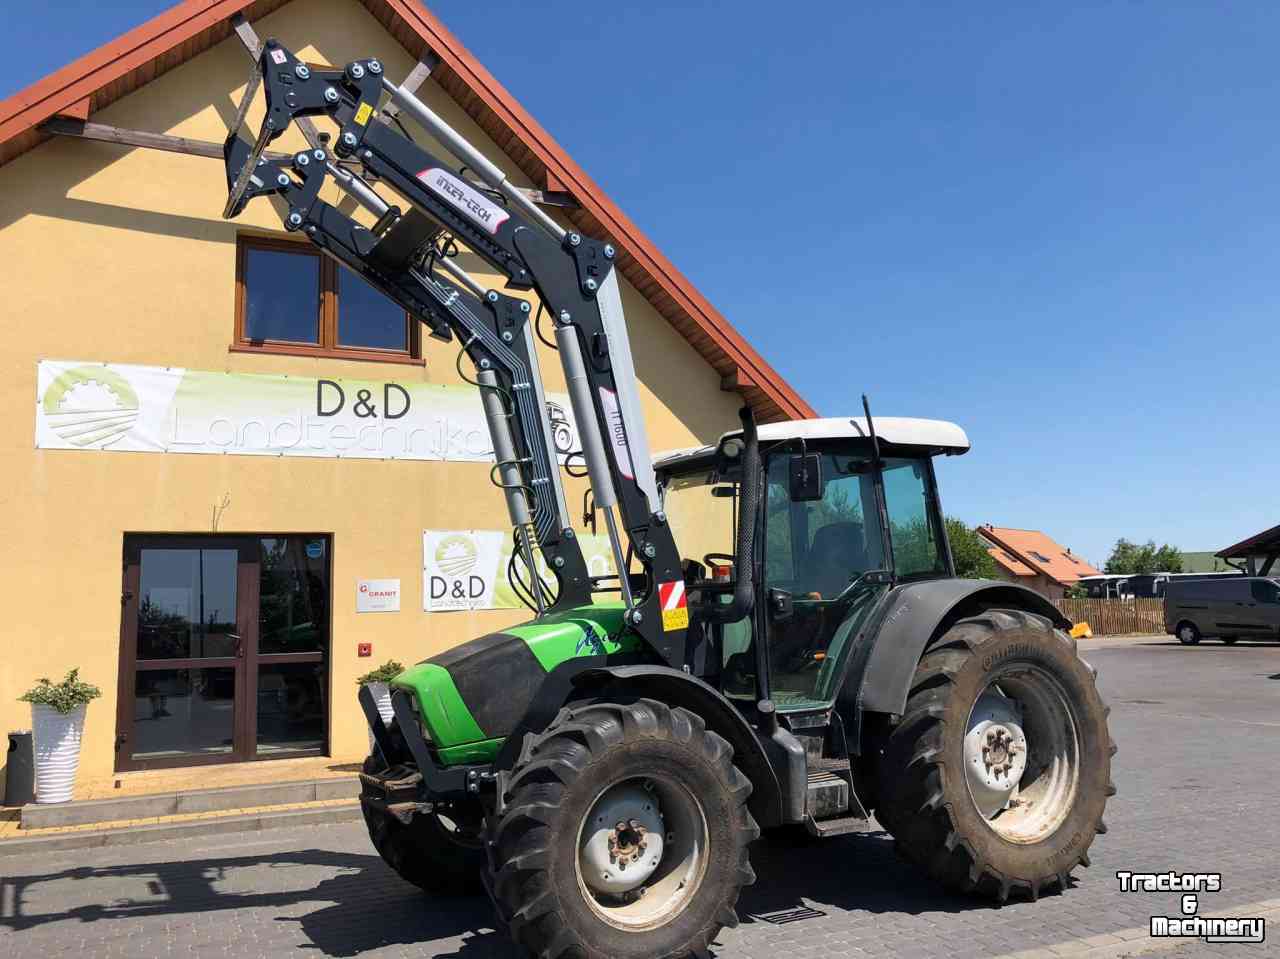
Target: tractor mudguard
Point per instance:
(778, 786)
(912, 616)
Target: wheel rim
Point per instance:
(1022, 754)
(1187, 634)
(642, 852)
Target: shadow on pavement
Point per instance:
(361, 905)
(856, 873)
(364, 906)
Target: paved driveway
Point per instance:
(1199, 736)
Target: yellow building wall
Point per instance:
(118, 255)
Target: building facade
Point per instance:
(225, 603)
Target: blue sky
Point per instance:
(1056, 224)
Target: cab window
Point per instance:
(917, 550)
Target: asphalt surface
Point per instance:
(1199, 736)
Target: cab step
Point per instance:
(827, 828)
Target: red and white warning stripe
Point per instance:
(671, 595)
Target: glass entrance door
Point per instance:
(224, 649)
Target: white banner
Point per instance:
(157, 409)
(467, 568)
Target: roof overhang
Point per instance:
(1260, 544)
(193, 26)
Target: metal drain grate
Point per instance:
(783, 916)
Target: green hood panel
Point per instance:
(470, 697)
(586, 631)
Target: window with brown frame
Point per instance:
(292, 299)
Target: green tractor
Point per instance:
(609, 799)
(784, 644)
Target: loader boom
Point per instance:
(403, 255)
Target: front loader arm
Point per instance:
(573, 275)
(495, 331)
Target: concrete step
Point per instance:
(182, 827)
(36, 816)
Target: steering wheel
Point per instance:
(709, 559)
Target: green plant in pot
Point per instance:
(378, 682)
(57, 723)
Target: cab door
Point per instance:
(814, 550)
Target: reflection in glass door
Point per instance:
(224, 649)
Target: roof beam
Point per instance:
(737, 380)
(67, 127)
(104, 133)
(417, 76)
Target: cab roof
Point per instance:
(931, 436)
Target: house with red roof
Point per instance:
(1032, 558)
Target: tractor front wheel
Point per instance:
(624, 835)
(996, 778)
(439, 853)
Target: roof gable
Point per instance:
(1037, 551)
(193, 26)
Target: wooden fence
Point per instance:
(1111, 617)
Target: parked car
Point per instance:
(1227, 607)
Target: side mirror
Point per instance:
(805, 475)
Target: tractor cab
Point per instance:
(842, 518)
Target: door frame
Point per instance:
(245, 664)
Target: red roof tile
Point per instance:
(1010, 562)
(1038, 551)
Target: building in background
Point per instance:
(1030, 557)
(1256, 554)
(226, 603)
(1204, 562)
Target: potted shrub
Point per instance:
(377, 680)
(57, 723)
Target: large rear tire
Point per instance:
(436, 853)
(624, 836)
(996, 778)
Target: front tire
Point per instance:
(437, 854)
(1188, 634)
(624, 836)
(996, 778)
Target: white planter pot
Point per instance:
(381, 696)
(57, 743)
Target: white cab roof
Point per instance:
(935, 435)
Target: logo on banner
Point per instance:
(460, 569)
(90, 406)
(675, 608)
(456, 555)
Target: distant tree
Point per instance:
(1169, 559)
(969, 550)
(1130, 558)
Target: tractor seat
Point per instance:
(837, 555)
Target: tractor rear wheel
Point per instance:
(996, 778)
(624, 835)
(435, 852)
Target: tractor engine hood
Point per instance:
(471, 697)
